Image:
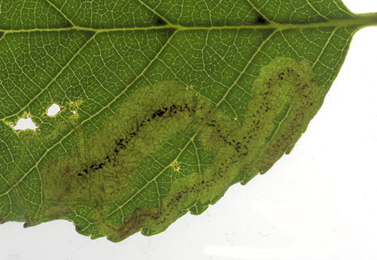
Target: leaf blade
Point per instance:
(218, 60)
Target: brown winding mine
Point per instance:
(114, 171)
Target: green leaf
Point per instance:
(164, 104)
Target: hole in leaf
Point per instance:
(25, 124)
(53, 110)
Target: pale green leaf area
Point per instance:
(162, 104)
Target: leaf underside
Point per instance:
(164, 104)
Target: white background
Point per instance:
(320, 202)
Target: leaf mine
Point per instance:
(116, 161)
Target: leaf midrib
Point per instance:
(361, 20)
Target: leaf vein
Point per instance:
(60, 12)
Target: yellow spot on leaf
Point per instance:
(175, 165)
